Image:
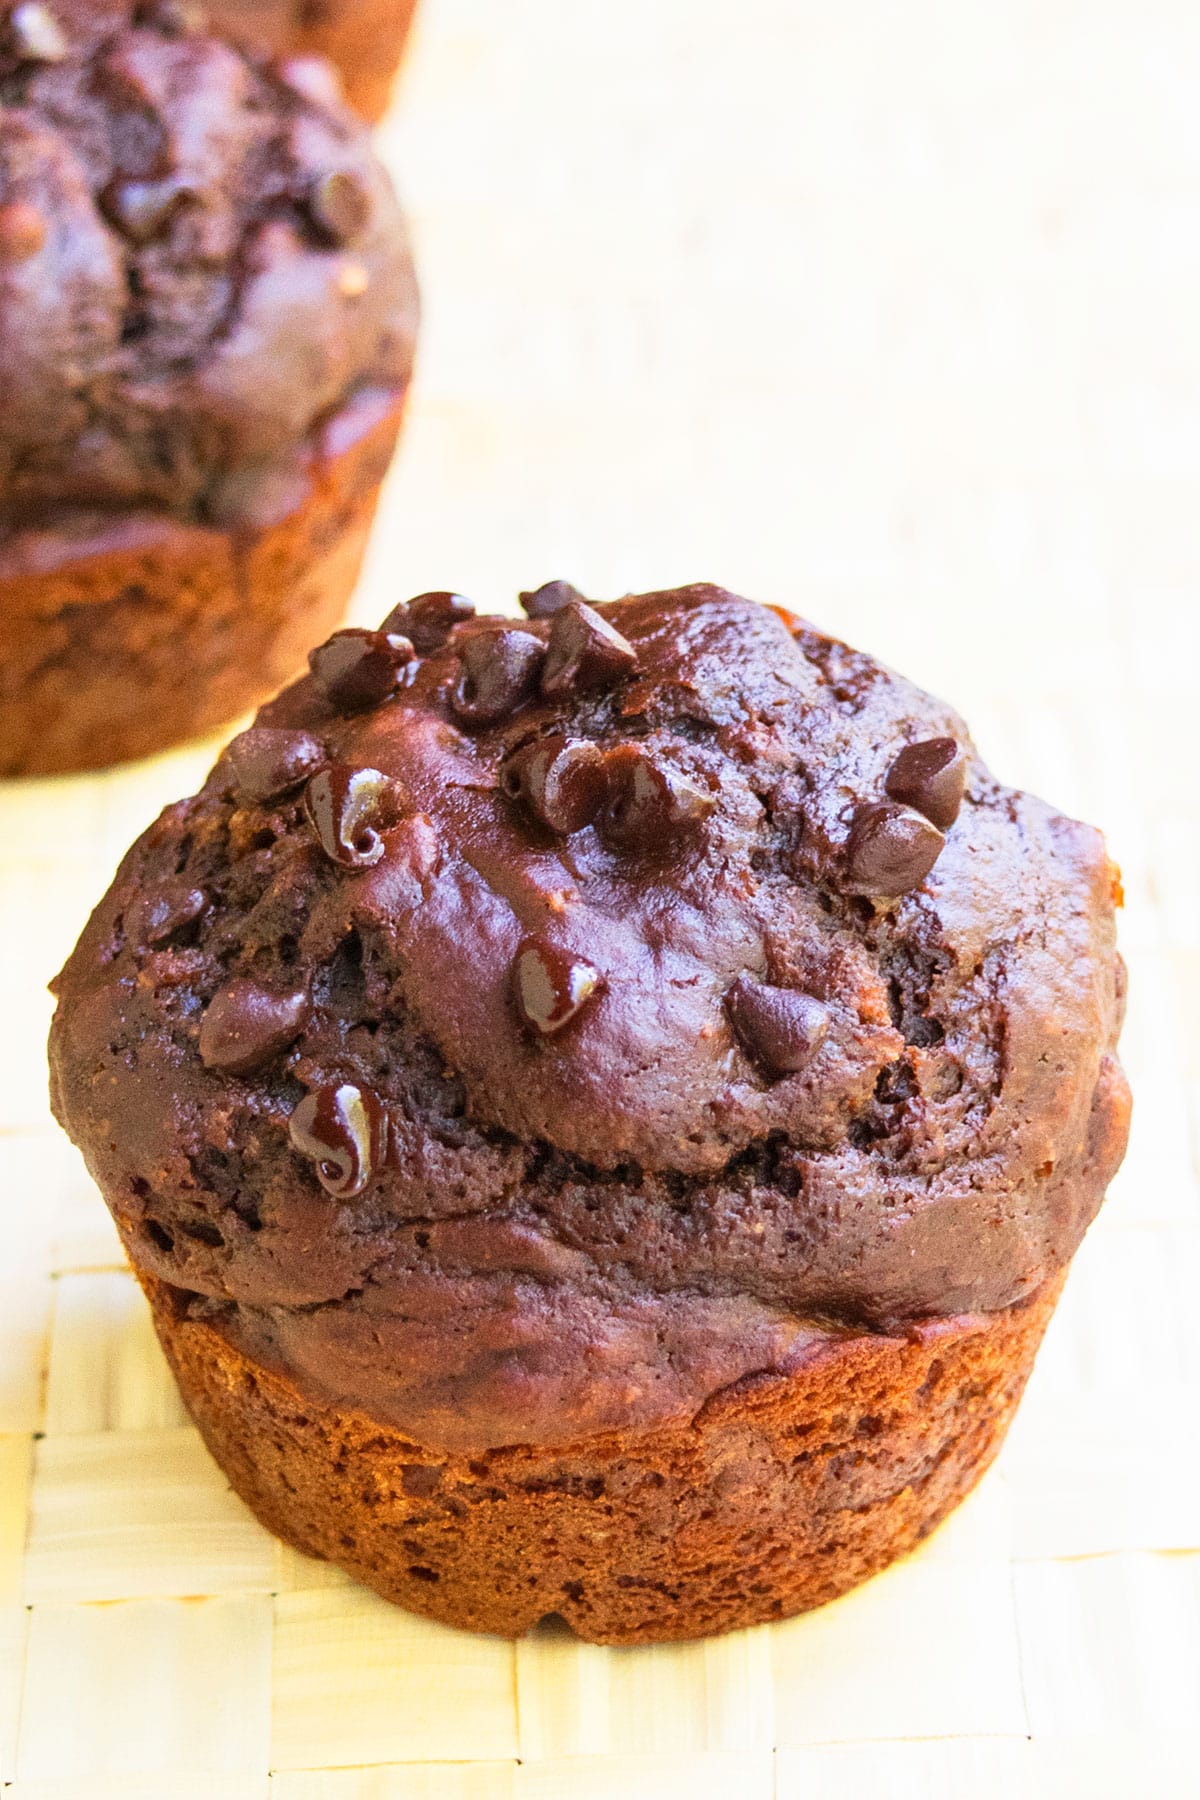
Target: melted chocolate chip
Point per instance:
(429, 619)
(247, 1025)
(649, 805)
(142, 210)
(584, 652)
(343, 1130)
(550, 598)
(561, 780)
(356, 670)
(930, 776)
(779, 1029)
(22, 231)
(339, 205)
(349, 809)
(35, 34)
(551, 986)
(500, 672)
(268, 763)
(891, 849)
(156, 916)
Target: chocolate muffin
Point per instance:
(601, 1107)
(364, 40)
(207, 317)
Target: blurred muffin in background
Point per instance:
(363, 39)
(207, 319)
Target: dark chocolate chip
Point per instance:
(930, 776)
(339, 204)
(780, 1029)
(429, 619)
(359, 669)
(561, 780)
(343, 1130)
(22, 231)
(349, 810)
(142, 210)
(246, 1025)
(649, 805)
(268, 763)
(156, 916)
(500, 672)
(550, 598)
(584, 652)
(891, 849)
(35, 34)
(552, 987)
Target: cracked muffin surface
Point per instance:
(534, 1027)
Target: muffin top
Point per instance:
(201, 264)
(532, 1027)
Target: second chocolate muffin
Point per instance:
(207, 319)
(601, 1107)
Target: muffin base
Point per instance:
(122, 636)
(783, 1492)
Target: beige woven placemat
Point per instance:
(887, 313)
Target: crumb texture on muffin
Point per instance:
(535, 1027)
(780, 1494)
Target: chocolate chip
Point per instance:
(339, 204)
(429, 619)
(552, 987)
(142, 210)
(359, 669)
(561, 780)
(343, 1130)
(930, 776)
(22, 231)
(349, 809)
(35, 34)
(550, 598)
(649, 805)
(500, 671)
(891, 849)
(156, 916)
(780, 1029)
(268, 763)
(247, 1025)
(584, 652)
